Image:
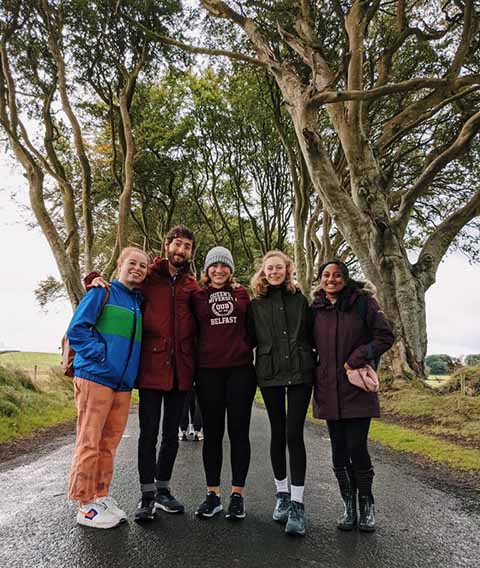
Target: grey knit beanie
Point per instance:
(219, 254)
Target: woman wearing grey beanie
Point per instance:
(225, 380)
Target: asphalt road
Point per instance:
(419, 524)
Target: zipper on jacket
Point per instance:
(336, 364)
(132, 341)
(173, 328)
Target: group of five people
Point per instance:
(155, 328)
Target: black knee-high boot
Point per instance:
(348, 491)
(366, 502)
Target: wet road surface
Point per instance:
(419, 525)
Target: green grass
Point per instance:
(437, 380)
(25, 407)
(435, 413)
(405, 440)
(28, 359)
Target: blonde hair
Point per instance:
(126, 251)
(259, 283)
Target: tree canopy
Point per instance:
(326, 128)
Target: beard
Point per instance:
(177, 260)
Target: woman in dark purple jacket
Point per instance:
(350, 332)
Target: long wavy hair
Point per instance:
(259, 283)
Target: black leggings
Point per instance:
(150, 467)
(191, 412)
(286, 426)
(349, 438)
(229, 390)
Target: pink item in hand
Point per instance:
(364, 378)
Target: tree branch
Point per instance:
(355, 26)
(439, 241)
(464, 47)
(192, 48)
(392, 88)
(384, 144)
(456, 149)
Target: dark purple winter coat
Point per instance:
(354, 331)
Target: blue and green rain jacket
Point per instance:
(107, 342)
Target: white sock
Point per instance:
(282, 485)
(297, 493)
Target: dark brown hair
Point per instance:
(180, 231)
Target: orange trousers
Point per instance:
(102, 415)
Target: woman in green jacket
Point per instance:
(280, 326)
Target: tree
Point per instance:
(384, 100)
(48, 47)
(473, 359)
(437, 365)
(442, 364)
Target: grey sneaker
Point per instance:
(280, 514)
(146, 508)
(166, 501)
(296, 519)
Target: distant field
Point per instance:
(30, 359)
(437, 380)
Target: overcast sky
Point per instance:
(453, 303)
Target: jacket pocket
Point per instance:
(157, 352)
(263, 362)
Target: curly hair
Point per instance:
(259, 283)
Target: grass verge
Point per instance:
(450, 416)
(403, 439)
(25, 407)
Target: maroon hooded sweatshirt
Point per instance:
(221, 318)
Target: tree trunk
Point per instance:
(381, 254)
(69, 272)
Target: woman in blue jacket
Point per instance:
(105, 333)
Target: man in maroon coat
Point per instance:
(166, 368)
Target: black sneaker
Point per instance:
(146, 508)
(210, 507)
(236, 509)
(166, 501)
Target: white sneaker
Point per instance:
(112, 506)
(198, 436)
(96, 515)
